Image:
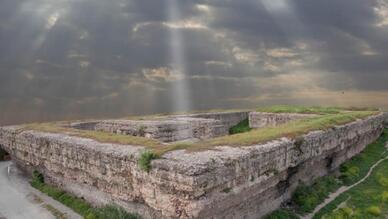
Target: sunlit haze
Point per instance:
(73, 59)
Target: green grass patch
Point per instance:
(79, 205)
(111, 211)
(57, 214)
(241, 127)
(281, 214)
(308, 197)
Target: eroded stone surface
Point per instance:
(386, 119)
(171, 128)
(262, 119)
(227, 182)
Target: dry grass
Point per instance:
(327, 118)
(291, 129)
(311, 109)
(104, 137)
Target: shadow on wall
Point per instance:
(4, 155)
(386, 119)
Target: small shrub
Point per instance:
(347, 211)
(91, 216)
(349, 173)
(374, 210)
(37, 177)
(141, 132)
(384, 197)
(145, 160)
(226, 190)
(382, 180)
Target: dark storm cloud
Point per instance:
(92, 58)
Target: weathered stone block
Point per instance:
(171, 128)
(262, 119)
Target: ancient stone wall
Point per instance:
(171, 128)
(229, 182)
(262, 119)
(227, 119)
(165, 130)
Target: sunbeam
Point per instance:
(181, 89)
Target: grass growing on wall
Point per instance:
(328, 118)
(242, 135)
(145, 160)
(311, 109)
(79, 205)
(100, 136)
(291, 129)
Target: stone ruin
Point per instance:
(190, 127)
(170, 128)
(225, 182)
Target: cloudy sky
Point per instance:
(68, 59)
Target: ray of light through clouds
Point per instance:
(70, 59)
(178, 61)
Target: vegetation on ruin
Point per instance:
(145, 160)
(290, 129)
(241, 127)
(311, 109)
(326, 118)
(100, 136)
(362, 201)
(281, 214)
(307, 198)
(79, 205)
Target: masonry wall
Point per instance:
(165, 131)
(262, 119)
(172, 128)
(230, 182)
